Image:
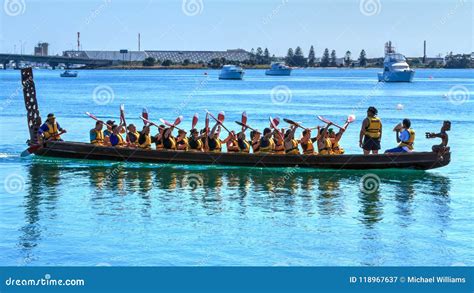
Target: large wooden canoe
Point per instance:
(78, 150)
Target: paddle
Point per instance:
(289, 121)
(328, 121)
(220, 119)
(145, 114)
(206, 127)
(33, 148)
(176, 122)
(244, 125)
(146, 121)
(195, 120)
(244, 117)
(122, 119)
(94, 117)
(274, 123)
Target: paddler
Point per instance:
(405, 137)
(116, 138)
(182, 142)
(279, 147)
(96, 135)
(132, 135)
(267, 145)
(255, 137)
(158, 138)
(244, 145)
(169, 142)
(324, 142)
(307, 142)
(335, 138)
(213, 141)
(50, 130)
(290, 143)
(232, 143)
(443, 147)
(108, 130)
(195, 142)
(144, 139)
(371, 132)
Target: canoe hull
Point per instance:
(76, 150)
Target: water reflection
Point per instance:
(214, 190)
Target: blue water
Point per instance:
(68, 212)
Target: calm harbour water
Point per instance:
(68, 212)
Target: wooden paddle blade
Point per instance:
(30, 150)
(276, 121)
(351, 118)
(221, 116)
(324, 119)
(244, 117)
(289, 121)
(195, 120)
(178, 120)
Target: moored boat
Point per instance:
(395, 67)
(69, 73)
(231, 72)
(279, 69)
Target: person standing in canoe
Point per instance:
(443, 147)
(144, 139)
(195, 142)
(132, 135)
(50, 130)
(96, 135)
(267, 145)
(405, 137)
(290, 143)
(324, 142)
(116, 138)
(307, 142)
(371, 132)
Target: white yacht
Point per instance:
(231, 72)
(278, 68)
(395, 67)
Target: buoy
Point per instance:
(205, 73)
(399, 107)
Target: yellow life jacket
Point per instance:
(244, 146)
(185, 142)
(99, 137)
(294, 148)
(410, 141)
(215, 145)
(308, 148)
(234, 143)
(279, 148)
(136, 135)
(327, 150)
(172, 143)
(159, 144)
(374, 128)
(268, 148)
(146, 144)
(336, 148)
(52, 133)
(195, 145)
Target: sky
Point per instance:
(446, 25)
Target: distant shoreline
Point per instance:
(246, 68)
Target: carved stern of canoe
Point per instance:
(31, 104)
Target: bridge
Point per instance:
(53, 61)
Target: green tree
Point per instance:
(259, 55)
(149, 61)
(311, 57)
(289, 57)
(167, 62)
(333, 62)
(186, 62)
(362, 58)
(347, 59)
(325, 58)
(266, 56)
(299, 58)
